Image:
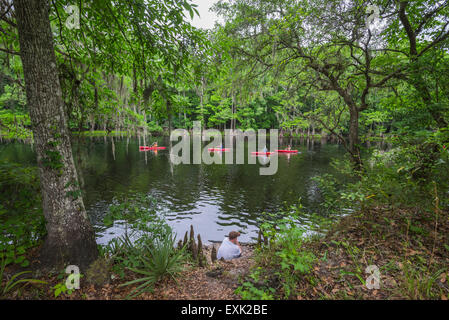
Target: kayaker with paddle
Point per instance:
(230, 247)
(154, 144)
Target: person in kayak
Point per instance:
(289, 147)
(230, 247)
(265, 150)
(154, 144)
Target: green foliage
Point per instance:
(282, 263)
(52, 159)
(154, 127)
(139, 211)
(149, 247)
(402, 176)
(286, 239)
(13, 98)
(159, 260)
(420, 283)
(14, 125)
(123, 253)
(61, 288)
(98, 272)
(247, 291)
(22, 224)
(329, 186)
(7, 285)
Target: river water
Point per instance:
(214, 198)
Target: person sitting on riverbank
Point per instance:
(230, 247)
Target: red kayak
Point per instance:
(287, 151)
(218, 149)
(144, 148)
(258, 153)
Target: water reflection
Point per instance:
(215, 198)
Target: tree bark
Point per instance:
(354, 147)
(70, 237)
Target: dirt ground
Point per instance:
(215, 281)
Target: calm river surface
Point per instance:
(215, 198)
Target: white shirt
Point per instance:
(228, 250)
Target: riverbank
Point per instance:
(215, 281)
(409, 248)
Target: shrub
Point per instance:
(6, 285)
(159, 260)
(22, 224)
(149, 249)
(281, 263)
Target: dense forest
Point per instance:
(351, 72)
(345, 79)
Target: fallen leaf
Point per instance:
(412, 252)
(443, 278)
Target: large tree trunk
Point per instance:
(70, 237)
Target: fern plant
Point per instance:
(7, 285)
(161, 260)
